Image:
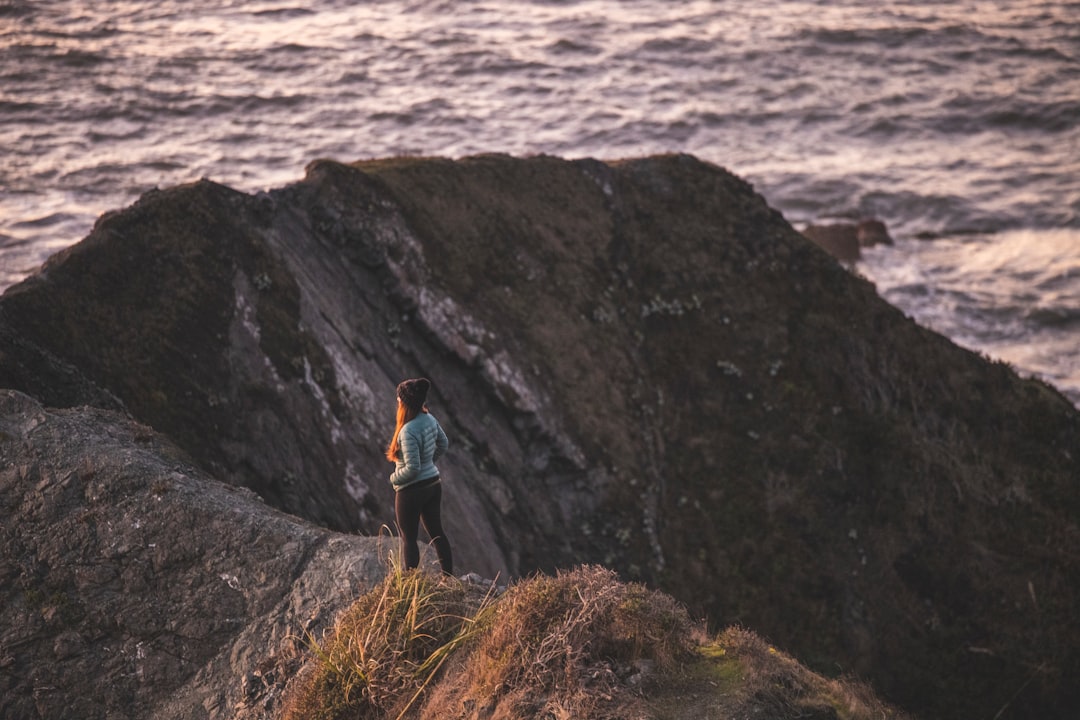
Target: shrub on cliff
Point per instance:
(580, 644)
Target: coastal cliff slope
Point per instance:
(134, 586)
(640, 365)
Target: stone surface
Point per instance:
(840, 240)
(872, 232)
(134, 586)
(845, 241)
(639, 364)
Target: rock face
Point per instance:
(134, 586)
(639, 364)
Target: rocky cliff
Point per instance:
(134, 586)
(640, 365)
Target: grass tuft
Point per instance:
(568, 646)
(384, 650)
(578, 645)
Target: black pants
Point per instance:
(413, 504)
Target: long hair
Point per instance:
(404, 415)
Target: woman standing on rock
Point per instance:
(417, 443)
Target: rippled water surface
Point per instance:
(957, 120)
(1013, 295)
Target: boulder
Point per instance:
(845, 241)
(839, 240)
(132, 585)
(872, 232)
(639, 364)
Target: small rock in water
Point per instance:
(844, 240)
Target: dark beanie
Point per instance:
(414, 392)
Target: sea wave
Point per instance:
(1013, 295)
(942, 119)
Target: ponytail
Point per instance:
(404, 415)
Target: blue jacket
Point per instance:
(422, 441)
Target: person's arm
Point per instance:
(409, 465)
(441, 442)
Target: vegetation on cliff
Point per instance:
(579, 644)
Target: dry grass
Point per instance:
(578, 645)
(384, 650)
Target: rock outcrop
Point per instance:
(640, 364)
(844, 241)
(134, 586)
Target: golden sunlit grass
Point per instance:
(567, 646)
(386, 647)
(578, 645)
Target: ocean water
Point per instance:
(957, 123)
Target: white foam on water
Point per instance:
(1014, 296)
(947, 118)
